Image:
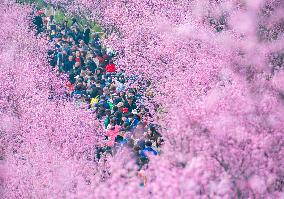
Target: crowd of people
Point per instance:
(95, 82)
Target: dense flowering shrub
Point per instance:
(47, 145)
(217, 71)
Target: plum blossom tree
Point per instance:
(216, 68)
(47, 145)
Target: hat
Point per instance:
(120, 104)
(110, 68)
(40, 12)
(130, 97)
(125, 110)
(135, 112)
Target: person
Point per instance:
(107, 118)
(141, 174)
(61, 59)
(75, 23)
(86, 34)
(76, 34)
(38, 22)
(112, 133)
(51, 23)
(83, 46)
(91, 64)
(66, 28)
(130, 104)
(69, 64)
(79, 58)
(75, 72)
(96, 43)
(70, 88)
(147, 149)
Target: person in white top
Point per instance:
(51, 23)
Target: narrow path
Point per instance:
(95, 83)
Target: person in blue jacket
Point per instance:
(148, 148)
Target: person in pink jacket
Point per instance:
(112, 133)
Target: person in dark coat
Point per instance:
(38, 22)
(86, 35)
(69, 64)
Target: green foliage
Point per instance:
(60, 15)
(97, 28)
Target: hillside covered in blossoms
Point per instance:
(107, 99)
